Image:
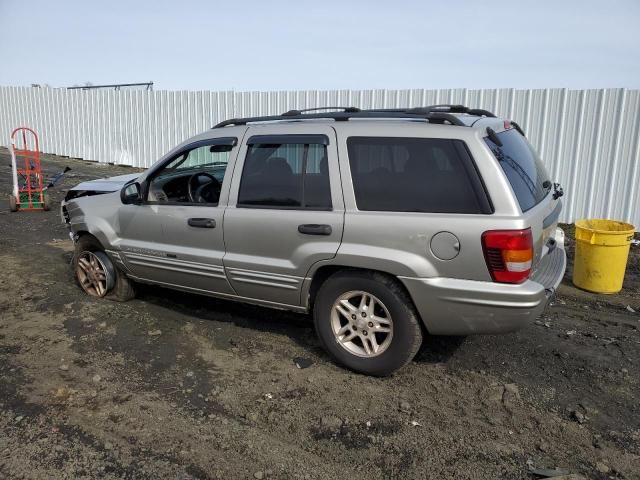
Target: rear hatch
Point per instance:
(537, 195)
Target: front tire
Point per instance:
(95, 273)
(367, 322)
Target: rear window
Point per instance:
(522, 166)
(415, 175)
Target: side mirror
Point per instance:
(131, 194)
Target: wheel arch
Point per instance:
(84, 233)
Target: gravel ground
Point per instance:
(177, 386)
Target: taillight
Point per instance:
(509, 254)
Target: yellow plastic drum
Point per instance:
(602, 249)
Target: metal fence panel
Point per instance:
(588, 139)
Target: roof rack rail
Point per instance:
(432, 114)
(435, 117)
(444, 108)
(293, 113)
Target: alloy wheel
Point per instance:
(94, 275)
(361, 324)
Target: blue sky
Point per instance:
(277, 45)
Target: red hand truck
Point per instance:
(28, 189)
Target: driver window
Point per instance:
(194, 176)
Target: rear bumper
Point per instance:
(462, 307)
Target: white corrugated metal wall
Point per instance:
(589, 139)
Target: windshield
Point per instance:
(522, 166)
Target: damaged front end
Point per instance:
(101, 186)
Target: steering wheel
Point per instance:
(208, 192)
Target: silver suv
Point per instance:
(386, 224)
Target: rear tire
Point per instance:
(13, 205)
(119, 287)
(357, 312)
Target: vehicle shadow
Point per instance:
(297, 326)
(438, 349)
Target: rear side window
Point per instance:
(286, 175)
(522, 166)
(415, 175)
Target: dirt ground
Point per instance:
(177, 386)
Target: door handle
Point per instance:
(202, 222)
(314, 229)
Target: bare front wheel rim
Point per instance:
(92, 274)
(361, 324)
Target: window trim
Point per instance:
(283, 207)
(462, 149)
(289, 139)
(275, 140)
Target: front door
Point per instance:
(184, 195)
(285, 211)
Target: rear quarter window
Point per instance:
(522, 166)
(415, 175)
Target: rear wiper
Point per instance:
(493, 136)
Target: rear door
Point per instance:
(285, 211)
(531, 185)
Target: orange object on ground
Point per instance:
(29, 192)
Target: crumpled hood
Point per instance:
(110, 184)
